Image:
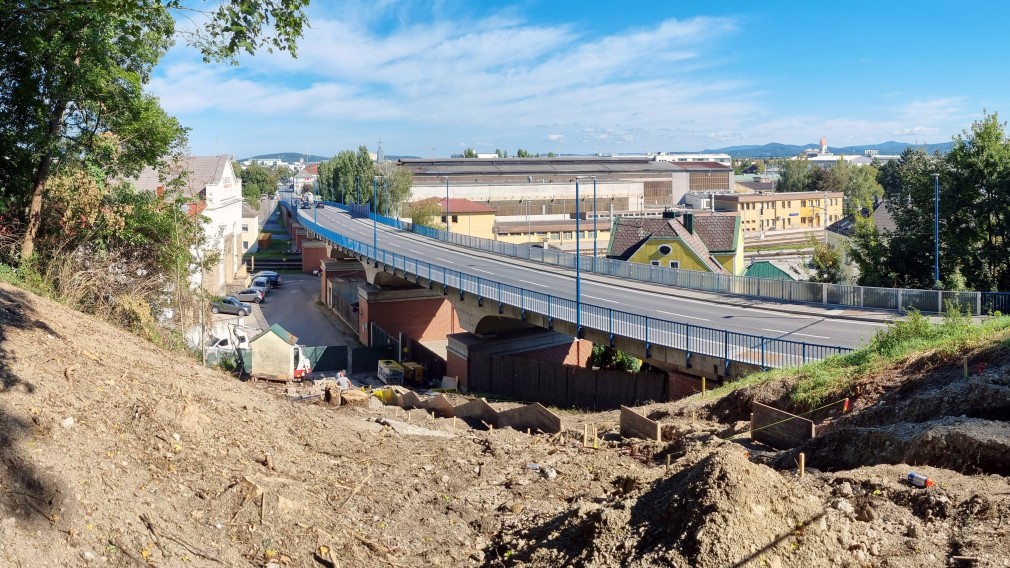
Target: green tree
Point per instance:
(426, 213)
(469, 153)
(520, 153)
(975, 206)
(257, 181)
(72, 76)
(826, 263)
(870, 254)
(863, 189)
(795, 175)
(910, 203)
(608, 358)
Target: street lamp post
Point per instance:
(936, 231)
(578, 275)
(386, 179)
(595, 236)
(375, 224)
(447, 230)
(529, 226)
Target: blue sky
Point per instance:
(433, 78)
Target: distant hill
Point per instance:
(777, 150)
(290, 157)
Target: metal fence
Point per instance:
(730, 346)
(843, 295)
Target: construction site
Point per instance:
(114, 452)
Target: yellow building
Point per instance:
(783, 211)
(703, 241)
(558, 234)
(466, 217)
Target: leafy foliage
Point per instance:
(610, 359)
(426, 213)
(256, 181)
(795, 175)
(826, 263)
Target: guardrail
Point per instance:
(841, 295)
(727, 345)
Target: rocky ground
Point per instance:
(116, 453)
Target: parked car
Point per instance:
(230, 305)
(250, 295)
(271, 276)
(261, 284)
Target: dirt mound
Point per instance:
(680, 520)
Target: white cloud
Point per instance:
(479, 78)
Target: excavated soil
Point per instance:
(114, 452)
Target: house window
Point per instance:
(455, 218)
(665, 249)
(245, 227)
(655, 263)
(245, 244)
(674, 264)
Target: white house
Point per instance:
(250, 229)
(211, 189)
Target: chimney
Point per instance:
(689, 222)
(160, 191)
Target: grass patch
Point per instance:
(834, 377)
(276, 249)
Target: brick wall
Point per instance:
(456, 366)
(424, 319)
(312, 256)
(680, 386)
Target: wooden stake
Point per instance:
(453, 422)
(585, 435)
(966, 367)
(596, 437)
(527, 431)
(667, 463)
(803, 464)
(703, 387)
(693, 415)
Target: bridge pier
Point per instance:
(531, 343)
(422, 314)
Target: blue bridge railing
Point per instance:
(730, 346)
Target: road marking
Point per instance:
(483, 271)
(774, 330)
(531, 283)
(681, 315)
(794, 333)
(600, 299)
(808, 335)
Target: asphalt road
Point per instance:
(664, 303)
(294, 307)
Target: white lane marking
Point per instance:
(794, 333)
(681, 315)
(600, 299)
(483, 271)
(440, 259)
(533, 283)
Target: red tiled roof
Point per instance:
(312, 169)
(465, 206)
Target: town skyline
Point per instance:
(548, 77)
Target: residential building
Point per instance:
(780, 211)
(306, 177)
(250, 229)
(467, 217)
(210, 188)
(703, 241)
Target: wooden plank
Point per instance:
(778, 428)
(533, 416)
(634, 425)
(409, 400)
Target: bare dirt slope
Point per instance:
(116, 453)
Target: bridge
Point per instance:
(700, 331)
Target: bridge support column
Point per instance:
(416, 312)
(333, 270)
(532, 343)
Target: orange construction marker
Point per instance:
(845, 407)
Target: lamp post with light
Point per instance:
(447, 230)
(375, 223)
(936, 230)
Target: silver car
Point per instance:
(254, 295)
